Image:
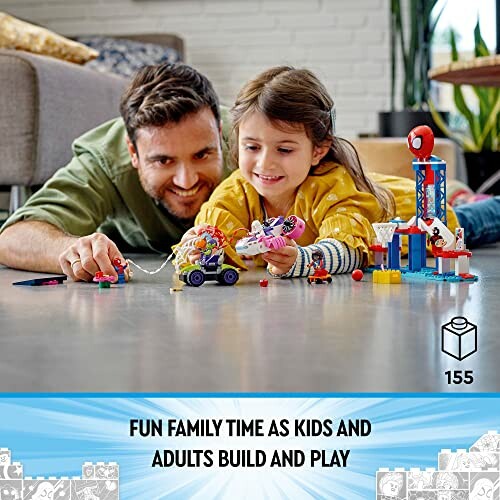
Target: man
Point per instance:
(139, 180)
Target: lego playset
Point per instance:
(429, 223)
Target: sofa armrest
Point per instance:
(45, 104)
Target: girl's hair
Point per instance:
(295, 98)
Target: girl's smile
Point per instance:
(275, 157)
(268, 179)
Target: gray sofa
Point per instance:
(45, 103)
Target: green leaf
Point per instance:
(432, 25)
(463, 108)
(410, 48)
(453, 43)
(489, 125)
(463, 140)
(480, 47)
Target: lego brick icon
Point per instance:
(421, 480)
(100, 470)
(484, 485)
(430, 484)
(88, 470)
(4, 456)
(391, 484)
(459, 338)
(11, 471)
(11, 489)
(92, 489)
(487, 442)
(42, 488)
(106, 470)
(463, 460)
(422, 495)
(452, 485)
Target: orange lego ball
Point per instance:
(357, 275)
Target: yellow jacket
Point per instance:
(328, 202)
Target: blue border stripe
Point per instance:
(136, 395)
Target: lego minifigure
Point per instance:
(120, 269)
(320, 273)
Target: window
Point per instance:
(461, 16)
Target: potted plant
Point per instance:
(410, 58)
(481, 139)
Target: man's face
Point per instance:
(180, 164)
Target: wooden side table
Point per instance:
(480, 71)
(483, 71)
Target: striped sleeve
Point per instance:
(339, 258)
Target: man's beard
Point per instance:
(160, 196)
(176, 214)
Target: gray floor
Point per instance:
(290, 337)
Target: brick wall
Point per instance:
(345, 42)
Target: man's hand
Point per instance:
(90, 254)
(281, 261)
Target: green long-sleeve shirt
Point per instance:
(99, 190)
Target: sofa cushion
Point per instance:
(125, 57)
(20, 35)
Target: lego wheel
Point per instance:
(318, 281)
(195, 278)
(329, 279)
(228, 277)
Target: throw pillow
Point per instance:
(20, 35)
(125, 57)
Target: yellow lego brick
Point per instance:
(388, 276)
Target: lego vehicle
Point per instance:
(197, 274)
(209, 267)
(320, 276)
(269, 235)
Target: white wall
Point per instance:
(345, 42)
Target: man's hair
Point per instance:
(163, 94)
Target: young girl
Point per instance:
(290, 162)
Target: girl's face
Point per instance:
(275, 161)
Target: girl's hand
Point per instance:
(281, 261)
(194, 256)
(192, 234)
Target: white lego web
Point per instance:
(99, 481)
(384, 232)
(472, 474)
